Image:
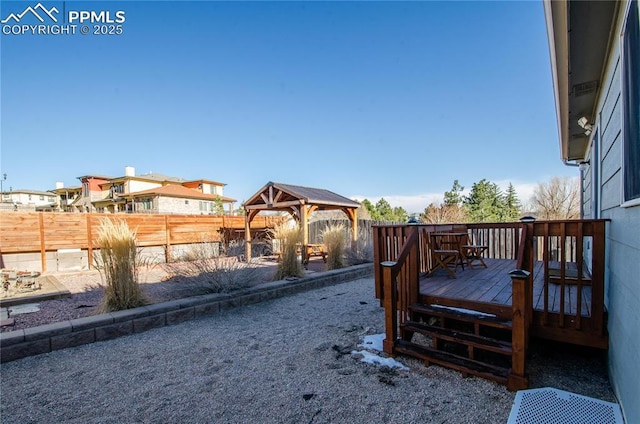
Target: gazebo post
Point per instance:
(304, 221)
(353, 216)
(247, 235)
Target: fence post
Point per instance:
(167, 235)
(89, 241)
(43, 250)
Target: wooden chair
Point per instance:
(443, 257)
(446, 259)
(473, 253)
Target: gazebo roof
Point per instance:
(278, 196)
(300, 202)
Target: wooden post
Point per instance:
(390, 305)
(89, 241)
(43, 251)
(304, 212)
(517, 379)
(377, 269)
(247, 234)
(167, 235)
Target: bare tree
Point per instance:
(444, 214)
(558, 198)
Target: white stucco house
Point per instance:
(595, 61)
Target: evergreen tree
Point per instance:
(400, 215)
(385, 212)
(485, 202)
(454, 197)
(373, 212)
(513, 207)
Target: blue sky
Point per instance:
(367, 99)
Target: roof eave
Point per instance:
(579, 35)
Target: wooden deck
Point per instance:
(544, 279)
(489, 290)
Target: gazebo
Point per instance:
(300, 202)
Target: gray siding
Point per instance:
(623, 245)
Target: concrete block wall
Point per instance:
(29, 261)
(61, 335)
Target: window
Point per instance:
(147, 204)
(631, 102)
(186, 202)
(41, 197)
(85, 189)
(29, 197)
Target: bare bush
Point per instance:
(360, 252)
(208, 272)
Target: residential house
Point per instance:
(66, 197)
(25, 200)
(91, 192)
(595, 62)
(151, 193)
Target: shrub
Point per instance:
(290, 239)
(361, 251)
(334, 239)
(207, 271)
(119, 266)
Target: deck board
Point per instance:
(493, 285)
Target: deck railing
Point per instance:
(569, 255)
(573, 261)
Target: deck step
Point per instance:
(444, 312)
(477, 341)
(449, 360)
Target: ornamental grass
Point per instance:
(119, 266)
(334, 239)
(290, 239)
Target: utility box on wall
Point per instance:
(72, 260)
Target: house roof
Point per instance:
(204, 182)
(100, 177)
(28, 191)
(66, 189)
(279, 195)
(174, 190)
(152, 176)
(579, 34)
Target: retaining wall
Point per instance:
(61, 335)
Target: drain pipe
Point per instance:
(577, 165)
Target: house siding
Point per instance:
(623, 242)
(135, 186)
(177, 205)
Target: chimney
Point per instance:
(59, 184)
(129, 171)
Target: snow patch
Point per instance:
(465, 311)
(374, 343)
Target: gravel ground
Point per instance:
(282, 361)
(157, 283)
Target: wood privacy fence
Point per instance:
(316, 228)
(29, 232)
